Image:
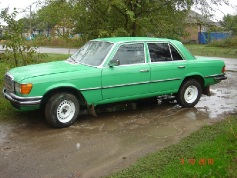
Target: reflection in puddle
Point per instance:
(163, 119)
(220, 102)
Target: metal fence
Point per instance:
(205, 37)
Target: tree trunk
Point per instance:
(134, 28)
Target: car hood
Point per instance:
(30, 71)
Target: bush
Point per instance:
(2, 38)
(16, 53)
(229, 42)
(41, 40)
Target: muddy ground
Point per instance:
(99, 146)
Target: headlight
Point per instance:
(23, 88)
(17, 87)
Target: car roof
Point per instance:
(132, 39)
(178, 44)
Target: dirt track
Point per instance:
(98, 146)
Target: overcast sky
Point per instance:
(23, 4)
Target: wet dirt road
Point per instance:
(99, 146)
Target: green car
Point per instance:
(110, 70)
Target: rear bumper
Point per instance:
(217, 77)
(18, 101)
(220, 77)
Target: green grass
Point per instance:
(215, 143)
(204, 50)
(57, 42)
(55, 57)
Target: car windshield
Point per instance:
(92, 53)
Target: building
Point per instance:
(198, 29)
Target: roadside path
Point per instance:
(53, 50)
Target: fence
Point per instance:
(205, 37)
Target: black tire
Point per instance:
(62, 110)
(189, 93)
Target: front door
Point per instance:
(130, 78)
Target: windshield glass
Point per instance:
(92, 53)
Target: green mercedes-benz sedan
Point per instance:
(109, 70)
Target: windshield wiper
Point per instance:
(72, 59)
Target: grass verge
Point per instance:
(208, 152)
(204, 50)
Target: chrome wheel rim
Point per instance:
(65, 111)
(191, 94)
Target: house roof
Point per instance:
(196, 18)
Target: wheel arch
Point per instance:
(68, 89)
(200, 79)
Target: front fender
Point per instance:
(60, 85)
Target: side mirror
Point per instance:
(114, 62)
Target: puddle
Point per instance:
(223, 99)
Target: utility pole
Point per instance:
(30, 22)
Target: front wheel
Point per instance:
(189, 93)
(62, 110)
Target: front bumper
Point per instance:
(18, 101)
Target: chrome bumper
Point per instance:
(21, 101)
(220, 77)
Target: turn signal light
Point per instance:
(223, 69)
(26, 88)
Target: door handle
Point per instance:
(144, 70)
(181, 67)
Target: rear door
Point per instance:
(168, 68)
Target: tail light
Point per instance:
(223, 69)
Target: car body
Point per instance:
(109, 70)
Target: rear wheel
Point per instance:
(62, 110)
(189, 93)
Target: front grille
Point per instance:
(9, 82)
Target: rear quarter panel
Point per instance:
(207, 68)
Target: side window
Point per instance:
(159, 52)
(130, 54)
(175, 54)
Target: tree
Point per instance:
(160, 18)
(102, 18)
(15, 49)
(163, 18)
(230, 23)
(55, 13)
(29, 22)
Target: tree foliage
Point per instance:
(15, 50)
(55, 13)
(103, 18)
(230, 23)
(162, 18)
(28, 22)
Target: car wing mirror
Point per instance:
(114, 62)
